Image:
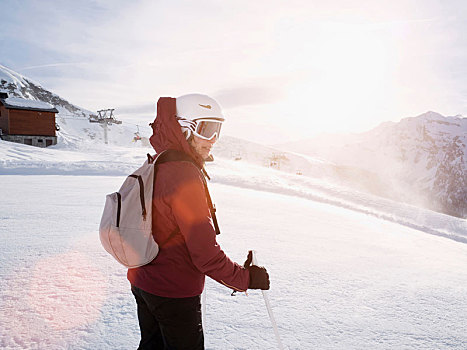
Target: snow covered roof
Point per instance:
(21, 103)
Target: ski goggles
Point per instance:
(208, 128)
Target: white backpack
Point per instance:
(126, 225)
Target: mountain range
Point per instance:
(420, 160)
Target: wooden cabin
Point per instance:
(27, 121)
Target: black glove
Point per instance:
(259, 278)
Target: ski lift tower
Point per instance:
(106, 118)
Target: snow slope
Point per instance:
(349, 270)
(340, 279)
(91, 158)
(19, 86)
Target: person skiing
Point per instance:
(168, 290)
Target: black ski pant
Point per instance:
(169, 323)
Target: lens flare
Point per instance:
(66, 290)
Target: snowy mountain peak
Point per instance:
(430, 115)
(11, 80)
(429, 127)
(433, 117)
(17, 85)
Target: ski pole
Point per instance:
(203, 302)
(269, 308)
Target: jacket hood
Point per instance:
(167, 133)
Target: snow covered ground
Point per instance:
(348, 270)
(341, 279)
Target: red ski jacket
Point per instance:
(180, 204)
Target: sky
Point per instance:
(282, 70)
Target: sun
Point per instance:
(347, 82)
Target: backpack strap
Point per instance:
(172, 155)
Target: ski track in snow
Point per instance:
(339, 279)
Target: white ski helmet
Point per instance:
(200, 115)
